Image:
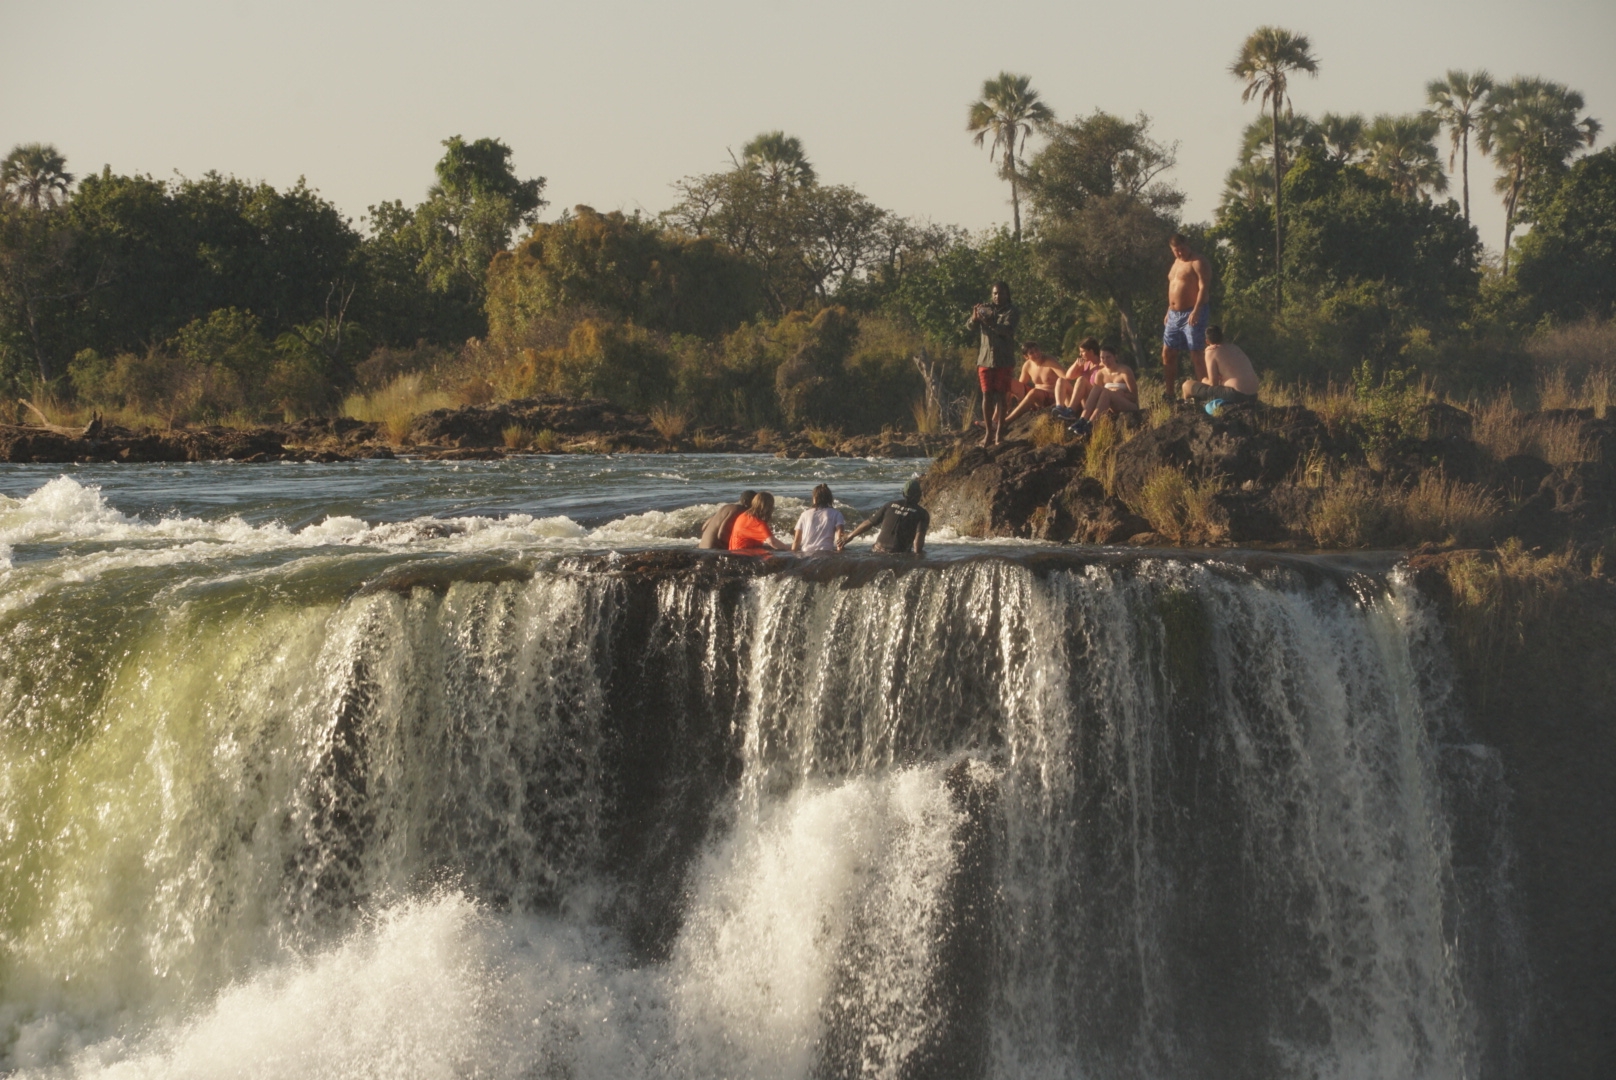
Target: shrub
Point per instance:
(670, 423)
(396, 405)
(1178, 509)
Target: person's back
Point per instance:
(1228, 366)
(715, 531)
(817, 526)
(901, 523)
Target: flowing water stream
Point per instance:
(482, 773)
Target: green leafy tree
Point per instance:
(38, 288)
(1567, 267)
(1531, 128)
(806, 243)
(623, 267)
(1456, 101)
(1402, 151)
(35, 174)
(1266, 62)
(1002, 118)
(471, 213)
(1103, 213)
(779, 159)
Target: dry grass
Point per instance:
(546, 441)
(1353, 510)
(704, 441)
(1441, 510)
(1178, 509)
(1046, 430)
(824, 438)
(1100, 454)
(1504, 431)
(516, 437)
(396, 405)
(1350, 511)
(1495, 599)
(928, 417)
(669, 422)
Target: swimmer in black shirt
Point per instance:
(903, 525)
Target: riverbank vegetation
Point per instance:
(768, 295)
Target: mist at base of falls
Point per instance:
(1142, 818)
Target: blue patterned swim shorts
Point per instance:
(1178, 334)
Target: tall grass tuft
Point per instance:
(396, 405)
(547, 441)
(1046, 430)
(669, 422)
(928, 417)
(1100, 454)
(516, 437)
(1178, 509)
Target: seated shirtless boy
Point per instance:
(1041, 373)
(1072, 389)
(1229, 374)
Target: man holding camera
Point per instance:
(996, 360)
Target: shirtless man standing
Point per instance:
(1184, 325)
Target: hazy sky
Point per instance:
(612, 100)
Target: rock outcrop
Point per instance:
(1257, 473)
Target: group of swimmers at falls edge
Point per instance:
(747, 527)
(1098, 383)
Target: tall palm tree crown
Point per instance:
(1402, 149)
(35, 174)
(1008, 111)
(1266, 61)
(1457, 100)
(1341, 136)
(779, 159)
(1531, 128)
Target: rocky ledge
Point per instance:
(479, 432)
(1259, 476)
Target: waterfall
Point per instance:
(998, 817)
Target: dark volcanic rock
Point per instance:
(1231, 448)
(1018, 489)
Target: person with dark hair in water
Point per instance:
(753, 531)
(996, 358)
(821, 527)
(903, 525)
(715, 530)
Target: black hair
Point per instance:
(1214, 335)
(1092, 344)
(1004, 292)
(747, 497)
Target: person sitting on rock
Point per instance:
(753, 532)
(716, 529)
(821, 527)
(1229, 374)
(903, 525)
(1072, 388)
(1040, 373)
(1115, 390)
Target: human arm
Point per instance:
(796, 538)
(864, 526)
(1202, 292)
(920, 538)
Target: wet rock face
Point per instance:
(1234, 447)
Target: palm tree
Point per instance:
(1247, 183)
(1402, 149)
(1530, 127)
(1457, 101)
(1008, 110)
(1266, 61)
(779, 159)
(35, 174)
(1341, 136)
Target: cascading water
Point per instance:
(359, 815)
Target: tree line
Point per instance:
(766, 295)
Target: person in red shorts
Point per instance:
(753, 532)
(996, 360)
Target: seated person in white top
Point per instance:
(821, 527)
(1229, 374)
